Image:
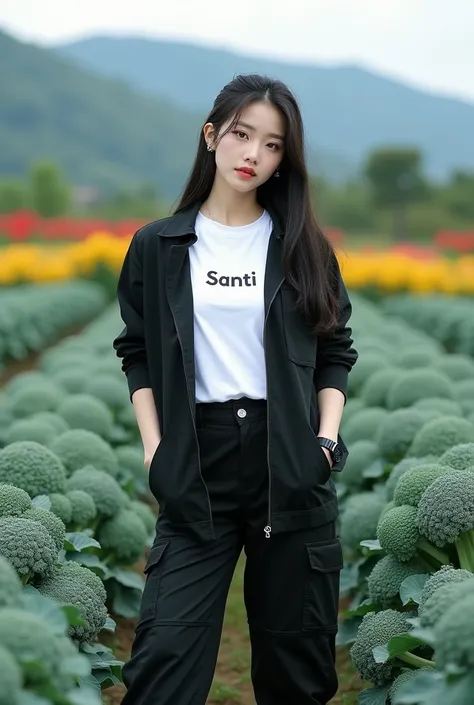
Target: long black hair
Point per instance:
(308, 257)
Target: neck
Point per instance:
(229, 207)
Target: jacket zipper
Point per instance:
(268, 528)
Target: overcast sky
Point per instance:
(426, 42)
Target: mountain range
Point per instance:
(119, 112)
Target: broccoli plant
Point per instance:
(445, 514)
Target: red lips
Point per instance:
(247, 170)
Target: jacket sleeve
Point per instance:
(336, 356)
(130, 343)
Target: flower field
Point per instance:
(77, 519)
(386, 271)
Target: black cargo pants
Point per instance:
(291, 583)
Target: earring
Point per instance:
(209, 148)
(276, 174)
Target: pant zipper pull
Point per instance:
(268, 531)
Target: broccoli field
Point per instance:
(77, 518)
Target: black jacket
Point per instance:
(157, 351)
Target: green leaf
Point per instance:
(371, 544)
(347, 632)
(375, 470)
(77, 665)
(397, 645)
(90, 560)
(45, 608)
(110, 625)
(127, 578)
(27, 698)
(73, 615)
(411, 588)
(126, 601)
(85, 695)
(425, 634)
(78, 541)
(349, 578)
(41, 501)
(374, 696)
(362, 609)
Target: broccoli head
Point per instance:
(364, 424)
(10, 585)
(459, 457)
(109, 389)
(130, 461)
(398, 534)
(413, 385)
(124, 537)
(447, 407)
(29, 430)
(32, 467)
(71, 379)
(376, 629)
(397, 431)
(359, 519)
(370, 363)
(401, 468)
(53, 524)
(456, 366)
(29, 399)
(88, 577)
(145, 513)
(57, 423)
(61, 506)
(446, 514)
(374, 391)
(11, 678)
(83, 509)
(28, 638)
(108, 496)
(405, 676)
(446, 575)
(77, 448)
(454, 634)
(87, 412)
(414, 482)
(386, 577)
(363, 454)
(439, 435)
(13, 501)
(439, 602)
(28, 546)
(68, 588)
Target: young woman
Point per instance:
(237, 350)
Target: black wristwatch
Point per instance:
(333, 447)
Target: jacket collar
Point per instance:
(183, 223)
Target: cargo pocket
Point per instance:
(153, 571)
(321, 593)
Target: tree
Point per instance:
(50, 193)
(396, 180)
(13, 196)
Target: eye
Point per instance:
(239, 134)
(274, 146)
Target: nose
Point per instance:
(252, 153)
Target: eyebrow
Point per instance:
(249, 127)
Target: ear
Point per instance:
(209, 133)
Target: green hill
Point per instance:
(348, 110)
(101, 131)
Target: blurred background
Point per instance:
(101, 106)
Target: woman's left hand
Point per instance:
(328, 456)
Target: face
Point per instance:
(255, 145)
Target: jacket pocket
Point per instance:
(321, 592)
(300, 342)
(153, 571)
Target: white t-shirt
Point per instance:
(227, 273)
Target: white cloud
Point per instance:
(428, 42)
